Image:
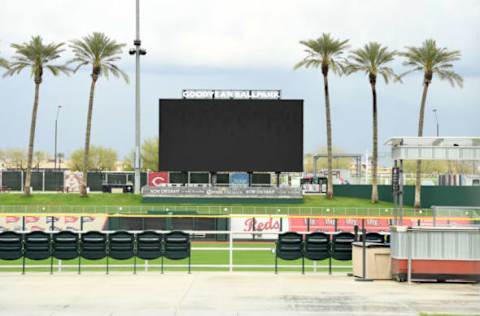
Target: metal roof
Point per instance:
(435, 148)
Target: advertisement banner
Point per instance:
(259, 227)
(157, 179)
(239, 179)
(44, 223)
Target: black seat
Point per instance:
(93, 245)
(373, 237)
(342, 246)
(11, 245)
(289, 246)
(37, 245)
(149, 245)
(65, 245)
(121, 245)
(317, 246)
(177, 246)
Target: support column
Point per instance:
(250, 176)
(213, 178)
(277, 178)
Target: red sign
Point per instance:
(12, 219)
(71, 219)
(31, 219)
(156, 179)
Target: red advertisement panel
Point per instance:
(156, 179)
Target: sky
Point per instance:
(239, 44)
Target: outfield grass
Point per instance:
(136, 200)
(199, 257)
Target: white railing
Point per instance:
(146, 265)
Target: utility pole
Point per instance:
(56, 134)
(436, 119)
(137, 51)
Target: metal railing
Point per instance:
(231, 266)
(211, 210)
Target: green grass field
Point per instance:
(132, 204)
(49, 199)
(199, 257)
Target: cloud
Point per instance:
(247, 33)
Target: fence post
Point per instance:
(230, 249)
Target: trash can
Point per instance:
(378, 262)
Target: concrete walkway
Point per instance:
(218, 293)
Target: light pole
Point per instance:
(137, 51)
(56, 133)
(436, 119)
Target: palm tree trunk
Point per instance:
(329, 137)
(83, 188)
(28, 178)
(418, 180)
(375, 146)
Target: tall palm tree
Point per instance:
(325, 53)
(373, 59)
(36, 56)
(100, 53)
(431, 60)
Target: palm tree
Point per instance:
(3, 63)
(36, 56)
(100, 52)
(325, 53)
(431, 60)
(373, 59)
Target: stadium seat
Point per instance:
(11, 245)
(374, 237)
(149, 245)
(93, 246)
(36, 246)
(121, 246)
(342, 246)
(289, 246)
(317, 246)
(177, 247)
(65, 245)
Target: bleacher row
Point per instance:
(175, 245)
(320, 246)
(94, 245)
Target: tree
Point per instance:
(36, 56)
(99, 159)
(373, 59)
(430, 60)
(14, 158)
(149, 154)
(322, 163)
(4, 63)
(39, 157)
(100, 52)
(325, 53)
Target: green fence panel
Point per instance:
(12, 180)
(431, 195)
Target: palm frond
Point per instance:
(98, 51)
(36, 55)
(429, 58)
(324, 51)
(373, 60)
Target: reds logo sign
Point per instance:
(156, 179)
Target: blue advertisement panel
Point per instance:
(239, 179)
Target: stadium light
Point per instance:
(137, 51)
(56, 135)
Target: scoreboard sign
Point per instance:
(232, 94)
